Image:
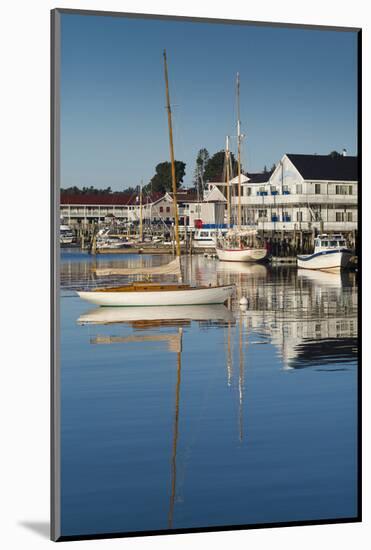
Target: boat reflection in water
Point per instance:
(174, 316)
(163, 315)
(310, 316)
(203, 401)
(255, 270)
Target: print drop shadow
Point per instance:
(42, 528)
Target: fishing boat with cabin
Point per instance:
(330, 254)
(159, 294)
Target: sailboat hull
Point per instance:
(241, 254)
(189, 296)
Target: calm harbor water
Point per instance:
(210, 415)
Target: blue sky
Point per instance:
(298, 95)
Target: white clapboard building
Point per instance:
(304, 193)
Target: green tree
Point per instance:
(162, 181)
(131, 190)
(334, 154)
(215, 167)
(86, 190)
(201, 161)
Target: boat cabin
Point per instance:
(208, 235)
(324, 241)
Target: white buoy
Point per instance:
(243, 301)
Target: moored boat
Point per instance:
(241, 246)
(330, 254)
(243, 254)
(206, 238)
(161, 294)
(155, 294)
(238, 245)
(66, 235)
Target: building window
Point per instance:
(161, 208)
(299, 216)
(317, 188)
(349, 216)
(168, 209)
(340, 216)
(299, 188)
(344, 190)
(249, 191)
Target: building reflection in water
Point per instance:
(309, 317)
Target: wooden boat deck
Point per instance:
(145, 287)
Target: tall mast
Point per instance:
(140, 214)
(173, 179)
(239, 137)
(227, 181)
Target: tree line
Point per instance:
(208, 169)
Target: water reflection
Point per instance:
(162, 316)
(213, 379)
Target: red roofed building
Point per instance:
(123, 207)
(95, 207)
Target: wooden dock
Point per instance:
(146, 250)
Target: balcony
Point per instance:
(302, 199)
(326, 227)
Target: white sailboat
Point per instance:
(238, 245)
(160, 294)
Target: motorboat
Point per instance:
(331, 253)
(66, 235)
(206, 238)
